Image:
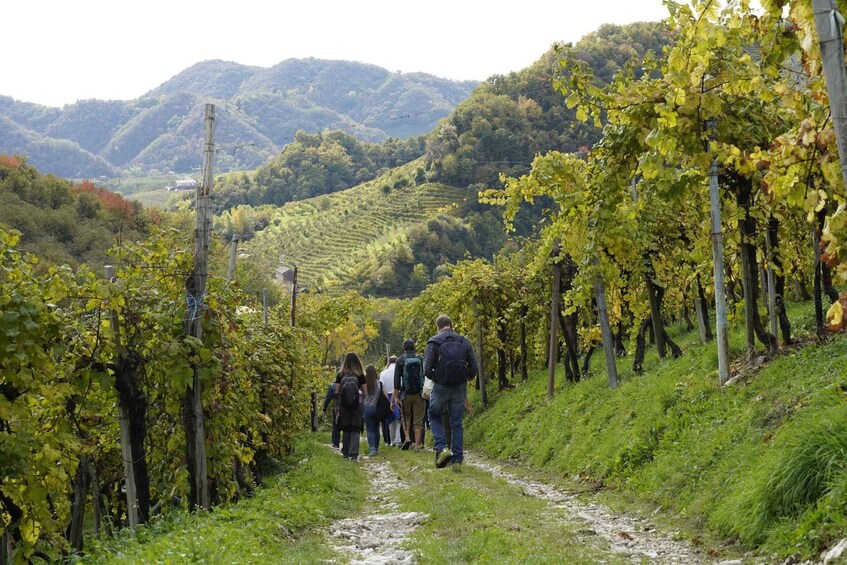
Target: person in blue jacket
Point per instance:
(330, 397)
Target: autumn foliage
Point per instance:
(10, 161)
(110, 201)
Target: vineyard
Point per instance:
(327, 236)
(712, 199)
(97, 376)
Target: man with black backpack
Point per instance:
(409, 379)
(450, 362)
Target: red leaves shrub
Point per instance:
(111, 201)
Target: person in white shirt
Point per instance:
(386, 377)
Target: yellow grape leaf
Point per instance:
(30, 530)
(821, 201)
(834, 316)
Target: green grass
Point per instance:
(762, 463)
(132, 184)
(281, 523)
(159, 198)
(474, 517)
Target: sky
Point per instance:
(56, 52)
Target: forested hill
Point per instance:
(500, 128)
(62, 223)
(263, 108)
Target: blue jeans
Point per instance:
(372, 424)
(453, 398)
(336, 431)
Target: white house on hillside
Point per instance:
(186, 183)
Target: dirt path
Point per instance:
(376, 537)
(626, 535)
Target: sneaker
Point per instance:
(373, 454)
(457, 467)
(442, 458)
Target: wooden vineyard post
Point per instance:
(195, 430)
(233, 249)
(81, 487)
(829, 23)
(553, 349)
(524, 310)
(294, 298)
(605, 328)
(772, 308)
(123, 419)
(701, 319)
(722, 327)
(483, 395)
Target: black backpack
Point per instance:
(348, 394)
(451, 368)
(412, 375)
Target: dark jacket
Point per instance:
(330, 396)
(432, 347)
(350, 419)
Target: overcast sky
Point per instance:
(56, 52)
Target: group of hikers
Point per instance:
(412, 393)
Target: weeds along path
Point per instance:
(376, 537)
(626, 535)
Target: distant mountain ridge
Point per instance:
(259, 111)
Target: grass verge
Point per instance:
(761, 463)
(281, 523)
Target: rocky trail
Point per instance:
(626, 535)
(377, 536)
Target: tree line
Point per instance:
(735, 105)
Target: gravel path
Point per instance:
(626, 535)
(376, 537)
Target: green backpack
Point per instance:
(412, 381)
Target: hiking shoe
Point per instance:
(457, 467)
(442, 458)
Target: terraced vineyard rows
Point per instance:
(327, 235)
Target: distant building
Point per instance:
(186, 184)
(284, 275)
